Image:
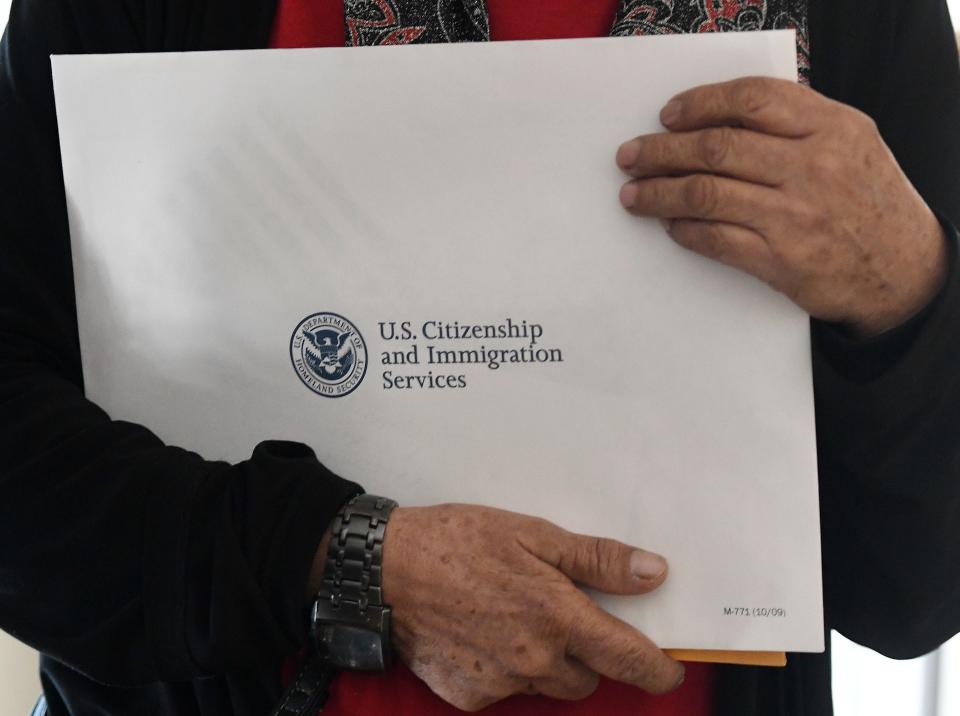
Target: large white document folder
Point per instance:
(413, 259)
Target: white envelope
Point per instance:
(218, 200)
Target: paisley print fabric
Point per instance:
(400, 22)
(667, 17)
(397, 22)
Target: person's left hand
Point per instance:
(796, 189)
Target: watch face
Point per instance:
(350, 647)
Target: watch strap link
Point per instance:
(352, 579)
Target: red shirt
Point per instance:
(320, 23)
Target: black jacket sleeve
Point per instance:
(888, 410)
(130, 560)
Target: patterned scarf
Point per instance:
(400, 22)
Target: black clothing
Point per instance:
(159, 583)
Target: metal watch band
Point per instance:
(352, 576)
(351, 593)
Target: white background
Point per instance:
(905, 688)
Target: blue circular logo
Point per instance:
(329, 354)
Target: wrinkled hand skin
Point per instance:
(796, 189)
(485, 606)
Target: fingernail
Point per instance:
(671, 113)
(626, 156)
(628, 195)
(647, 565)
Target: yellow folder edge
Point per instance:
(743, 658)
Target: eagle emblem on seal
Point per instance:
(329, 352)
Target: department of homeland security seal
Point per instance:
(329, 354)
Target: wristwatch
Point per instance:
(350, 624)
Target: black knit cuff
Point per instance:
(313, 504)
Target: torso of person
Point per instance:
(320, 23)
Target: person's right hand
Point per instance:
(485, 606)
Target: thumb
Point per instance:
(603, 564)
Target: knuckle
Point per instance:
(702, 195)
(659, 149)
(752, 95)
(712, 242)
(715, 146)
(805, 216)
(661, 680)
(655, 676)
(804, 256)
(593, 554)
(700, 236)
(864, 124)
(636, 665)
(597, 556)
(826, 163)
(655, 194)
